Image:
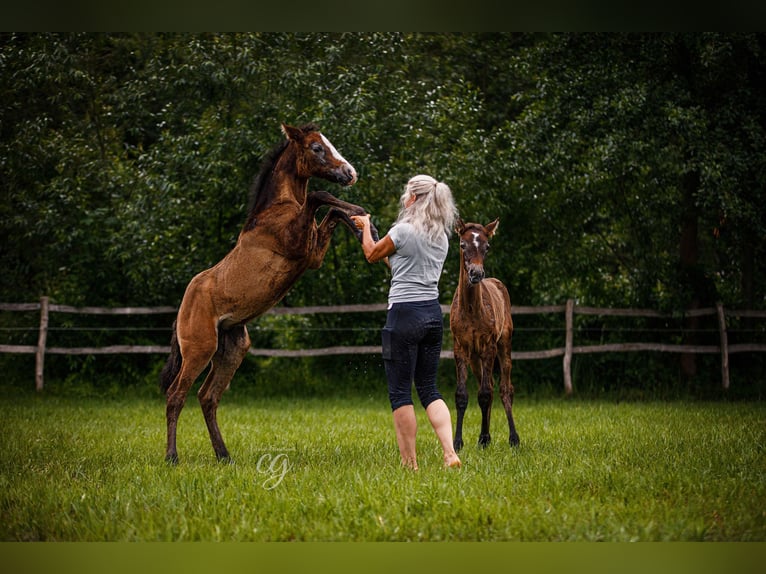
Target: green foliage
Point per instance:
(626, 169)
(617, 158)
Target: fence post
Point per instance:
(724, 345)
(43, 335)
(568, 347)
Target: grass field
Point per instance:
(327, 470)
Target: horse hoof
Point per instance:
(457, 445)
(514, 440)
(172, 459)
(484, 441)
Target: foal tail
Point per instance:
(173, 364)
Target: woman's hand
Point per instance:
(361, 221)
(373, 250)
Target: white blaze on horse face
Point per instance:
(476, 239)
(336, 154)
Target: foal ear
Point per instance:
(291, 133)
(459, 226)
(491, 228)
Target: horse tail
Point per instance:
(173, 364)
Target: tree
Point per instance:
(626, 169)
(635, 151)
(619, 149)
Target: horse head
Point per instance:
(317, 157)
(474, 244)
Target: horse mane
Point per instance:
(260, 195)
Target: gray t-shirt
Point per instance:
(416, 266)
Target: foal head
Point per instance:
(317, 157)
(474, 244)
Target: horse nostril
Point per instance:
(475, 276)
(349, 174)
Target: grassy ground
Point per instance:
(327, 470)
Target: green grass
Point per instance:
(92, 470)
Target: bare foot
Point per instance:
(452, 462)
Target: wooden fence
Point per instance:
(567, 352)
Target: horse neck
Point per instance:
(284, 177)
(469, 295)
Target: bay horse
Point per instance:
(482, 327)
(279, 241)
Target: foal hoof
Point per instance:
(171, 459)
(484, 440)
(457, 444)
(514, 440)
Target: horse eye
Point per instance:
(487, 246)
(462, 245)
(317, 148)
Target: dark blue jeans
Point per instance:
(412, 343)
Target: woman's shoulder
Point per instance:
(401, 229)
(403, 226)
(400, 233)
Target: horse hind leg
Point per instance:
(192, 364)
(233, 345)
(507, 392)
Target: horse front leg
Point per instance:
(484, 398)
(324, 233)
(342, 212)
(461, 396)
(341, 216)
(232, 348)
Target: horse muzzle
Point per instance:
(475, 274)
(347, 175)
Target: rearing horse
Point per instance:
(482, 327)
(279, 241)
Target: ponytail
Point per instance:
(434, 211)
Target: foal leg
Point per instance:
(233, 345)
(324, 233)
(195, 359)
(342, 210)
(486, 392)
(506, 390)
(341, 216)
(461, 397)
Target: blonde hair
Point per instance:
(433, 213)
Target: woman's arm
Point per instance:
(373, 250)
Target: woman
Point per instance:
(416, 247)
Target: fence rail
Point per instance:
(567, 352)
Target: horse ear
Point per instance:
(291, 133)
(459, 226)
(491, 228)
